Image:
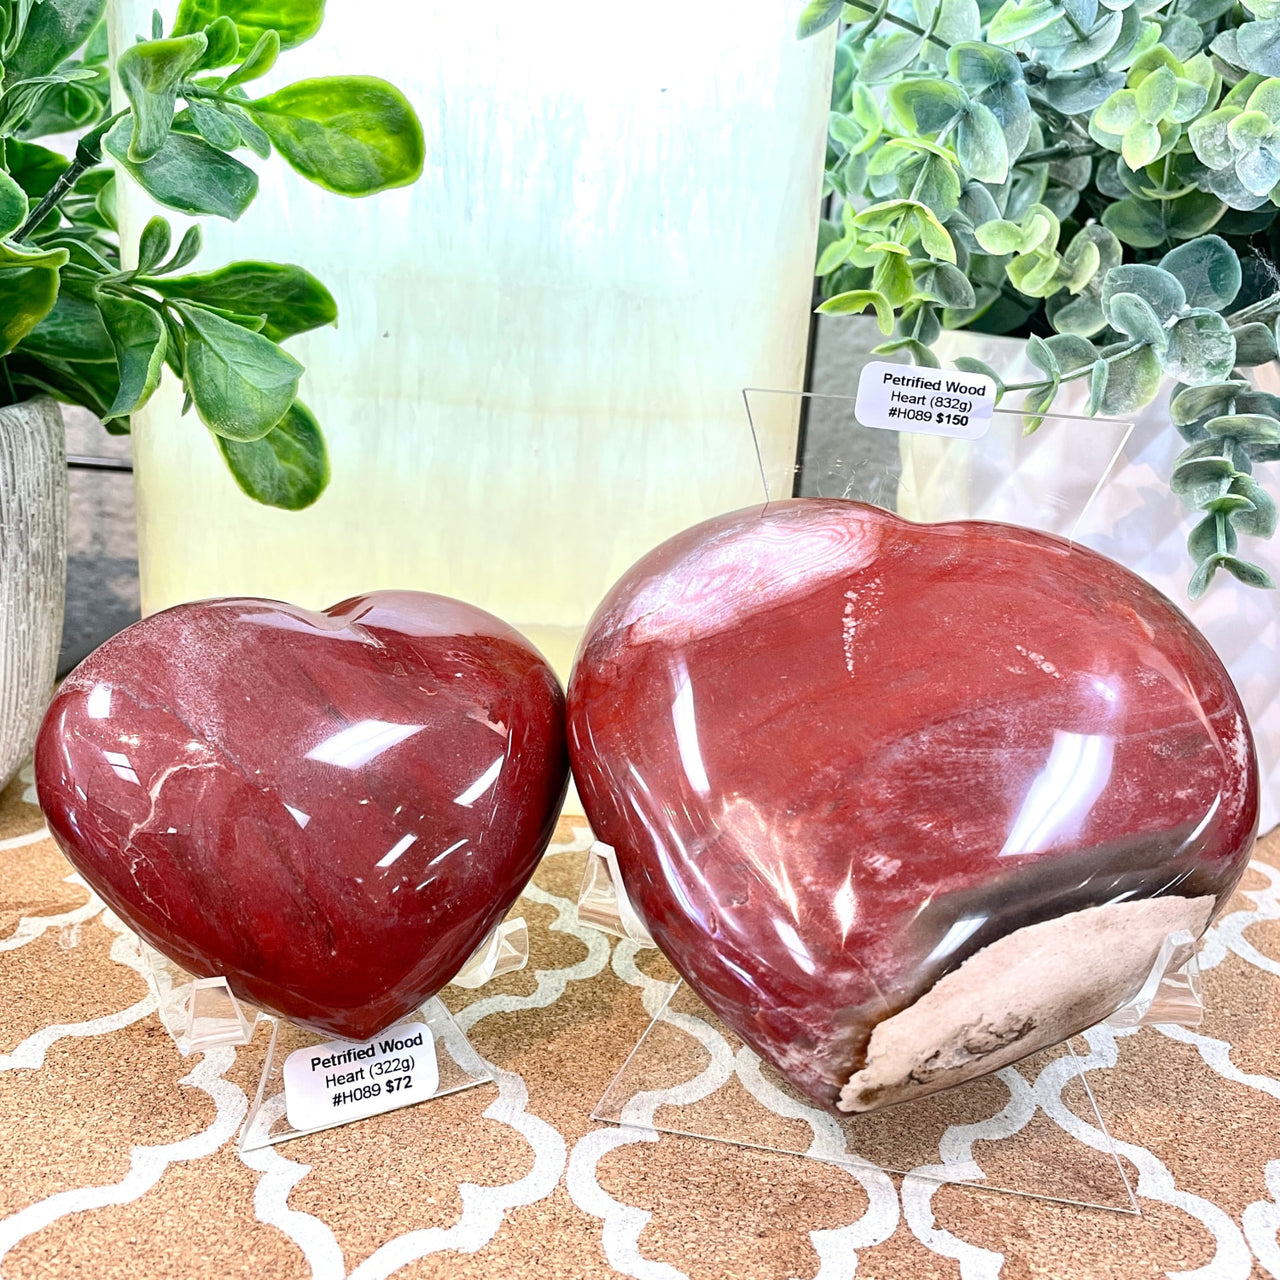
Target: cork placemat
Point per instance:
(118, 1157)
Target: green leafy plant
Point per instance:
(74, 322)
(1098, 177)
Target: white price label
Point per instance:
(339, 1081)
(935, 402)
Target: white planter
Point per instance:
(33, 570)
(543, 344)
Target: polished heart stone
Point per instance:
(331, 810)
(906, 803)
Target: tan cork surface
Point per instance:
(118, 1157)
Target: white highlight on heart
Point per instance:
(358, 743)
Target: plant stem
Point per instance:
(1075, 373)
(1254, 309)
(867, 7)
(1055, 152)
(1224, 487)
(88, 154)
(1220, 517)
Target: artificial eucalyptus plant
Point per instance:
(1100, 177)
(73, 322)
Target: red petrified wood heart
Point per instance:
(332, 810)
(905, 803)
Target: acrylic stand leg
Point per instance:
(690, 1075)
(461, 1067)
(199, 1013)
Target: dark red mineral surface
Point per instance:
(331, 810)
(904, 803)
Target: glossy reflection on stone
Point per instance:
(906, 803)
(332, 810)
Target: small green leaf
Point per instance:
(980, 145)
(1255, 345)
(1000, 237)
(971, 364)
(1208, 269)
(933, 235)
(1141, 145)
(1201, 348)
(1041, 355)
(1188, 476)
(892, 277)
(214, 124)
(241, 382)
(354, 135)
(1160, 289)
(1132, 382)
(13, 205)
(1156, 95)
(1017, 19)
(138, 336)
(149, 75)
(1081, 317)
(1190, 404)
(1258, 46)
(188, 249)
(817, 16)
(28, 290)
(1203, 539)
(1209, 138)
(153, 244)
(1132, 315)
(1035, 404)
(1098, 378)
(889, 54)
(34, 168)
(295, 21)
(858, 300)
(292, 300)
(927, 107)
(1252, 575)
(286, 468)
(834, 255)
(224, 44)
(1203, 575)
(262, 57)
(919, 353)
(1259, 520)
(72, 330)
(1071, 352)
(1135, 222)
(188, 174)
(1119, 113)
(1247, 428)
(53, 31)
(945, 284)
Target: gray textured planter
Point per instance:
(33, 570)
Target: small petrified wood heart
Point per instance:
(906, 803)
(331, 810)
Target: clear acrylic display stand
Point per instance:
(690, 1075)
(201, 1013)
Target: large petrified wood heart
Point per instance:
(332, 810)
(906, 803)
